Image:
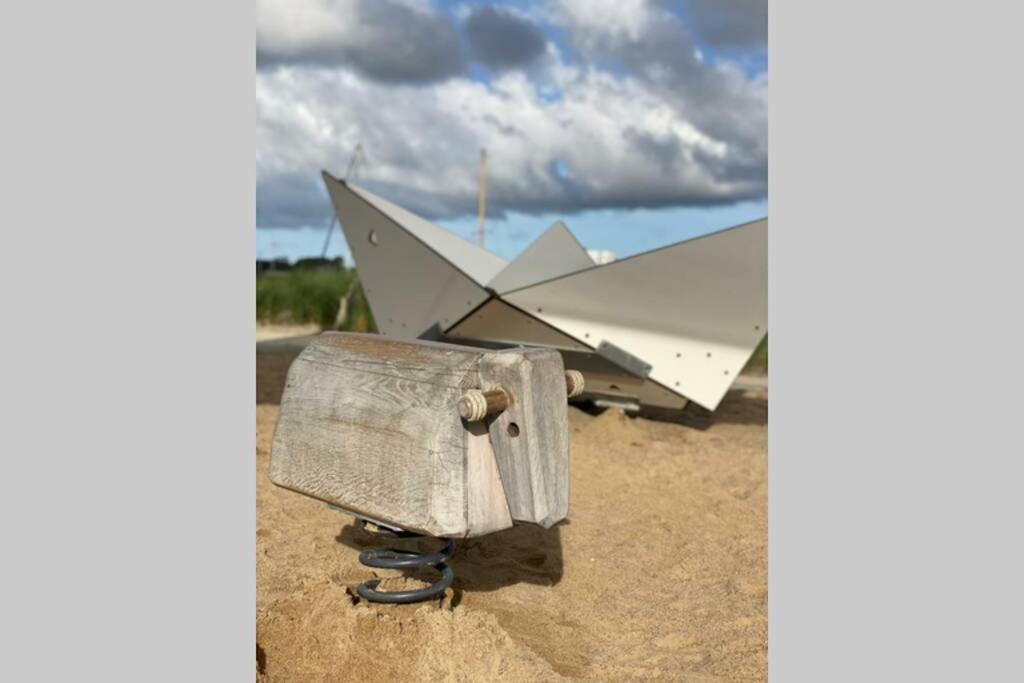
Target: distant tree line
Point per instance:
(284, 265)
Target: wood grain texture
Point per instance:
(363, 426)
(370, 424)
(530, 438)
(487, 508)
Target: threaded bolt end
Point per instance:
(573, 383)
(473, 406)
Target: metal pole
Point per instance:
(356, 154)
(327, 240)
(483, 194)
(349, 175)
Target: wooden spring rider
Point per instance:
(418, 438)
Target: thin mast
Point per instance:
(483, 195)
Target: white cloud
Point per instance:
(662, 129)
(626, 19)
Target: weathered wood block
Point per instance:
(371, 424)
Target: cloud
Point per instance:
(290, 200)
(387, 40)
(727, 24)
(635, 118)
(654, 46)
(501, 39)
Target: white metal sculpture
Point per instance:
(656, 329)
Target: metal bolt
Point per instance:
(573, 383)
(475, 404)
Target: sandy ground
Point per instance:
(659, 574)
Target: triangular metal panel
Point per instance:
(496, 321)
(695, 311)
(476, 262)
(410, 287)
(554, 253)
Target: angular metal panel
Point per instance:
(695, 311)
(476, 262)
(496, 321)
(554, 253)
(409, 285)
(624, 359)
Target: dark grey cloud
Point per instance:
(726, 24)
(291, 200)
(501, 39)
(664, 150)
(552, 193)
(385, 40)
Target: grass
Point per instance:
(758, 363)
(307, 295)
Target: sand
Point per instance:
(660, 573)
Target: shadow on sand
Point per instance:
(739, 407)
(522, 554)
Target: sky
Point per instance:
(638, 123)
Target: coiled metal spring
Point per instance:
(391, 558)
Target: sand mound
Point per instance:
(323, 634)
(660, 573)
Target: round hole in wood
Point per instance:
(372, 237)
(513, 429)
